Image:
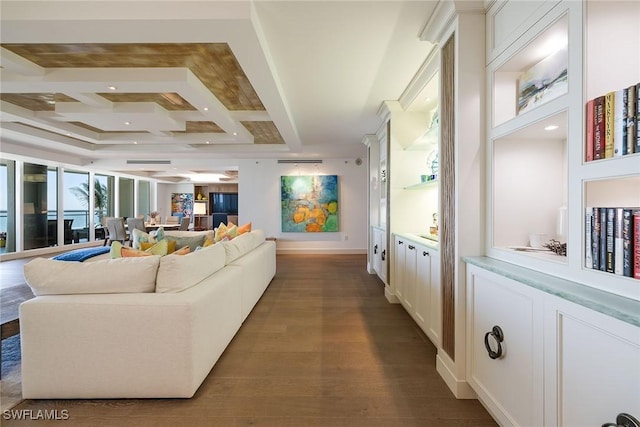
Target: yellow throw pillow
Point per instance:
(171, 246)
(244, 228)
(159, 248)
(232, 231)
(182, 251)
(221, 231)
(207, 242)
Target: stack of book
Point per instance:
(612, 237)
(612, 124)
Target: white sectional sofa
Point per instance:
(148, 327)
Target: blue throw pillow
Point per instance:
(82, 254)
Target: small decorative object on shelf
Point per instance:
(557, 247)
(154, 215)
(433, 230)
(3, 239)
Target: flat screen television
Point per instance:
(223, 203)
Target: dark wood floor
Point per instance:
(322, 347)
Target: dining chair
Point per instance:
(184, 224)
(117, 231)
(135, 224)
(173, 220)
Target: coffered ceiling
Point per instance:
(196, 84)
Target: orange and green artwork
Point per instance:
(309, 203)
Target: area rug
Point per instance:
(11, 383)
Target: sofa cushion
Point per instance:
(110, 276)
(237, 247)
(192, 241)
(258, 237)
(177, 273)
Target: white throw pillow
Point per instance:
(110, 276)
(179, 272)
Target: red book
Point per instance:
(636, 244)
(588, 146)
(598, 128)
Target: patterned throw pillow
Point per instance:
(160, 234)
(140, 236)
(221, 231)
(161, 248)
(171, 245)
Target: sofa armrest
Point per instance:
(127, 345)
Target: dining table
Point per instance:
(170, 226)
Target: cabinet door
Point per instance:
(593, 366)
(376, 250)
(424, 295)
(410, 260)
(507, 317)
(435, 312)
(399, 268)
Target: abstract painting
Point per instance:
(181, 204)
(309, 203)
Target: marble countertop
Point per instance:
(616, 306)
(416, 238)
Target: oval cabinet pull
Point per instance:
(384, 254)
(400, 242)
(496, 335)
(411, 247)
(425, 253)
(375, 249)
(624, 420)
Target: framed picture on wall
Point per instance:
(182, 204)
(309, 203)
(544, 81)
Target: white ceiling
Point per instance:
(321, 69)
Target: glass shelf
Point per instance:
(422, 185)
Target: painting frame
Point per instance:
(544, 81)
(309, 203)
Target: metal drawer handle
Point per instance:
(498, 337)
(384, 254)
(624, 420)
(375, 249)
(425, 253)
(411, 247)
(400, 242)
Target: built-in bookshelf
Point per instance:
(543, 174)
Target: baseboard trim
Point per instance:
(460, 389)
(316, 251)
(392, 298)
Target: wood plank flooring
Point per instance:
(322, 347)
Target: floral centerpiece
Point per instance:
(154, 217)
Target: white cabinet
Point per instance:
(593, 366)
(417, 284)
(507, 318)
(379, 253)
(552, 362)
(428, 306)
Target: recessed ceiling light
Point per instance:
(135, 142)
(551, 127)
(127, 123)
(235, 133)
(206, 108)
(68, 133)
(112, 88)
(208, 142)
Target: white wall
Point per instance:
(259, 203)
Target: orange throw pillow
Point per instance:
(244, 228)
(130, 252)
(182, 251)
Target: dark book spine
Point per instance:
(627, 242)
(595, 238)
(636, 244)
(631, 119)
(610, 236)
(588, 238)
(637, 147)
(604, 243)
(598, 128)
